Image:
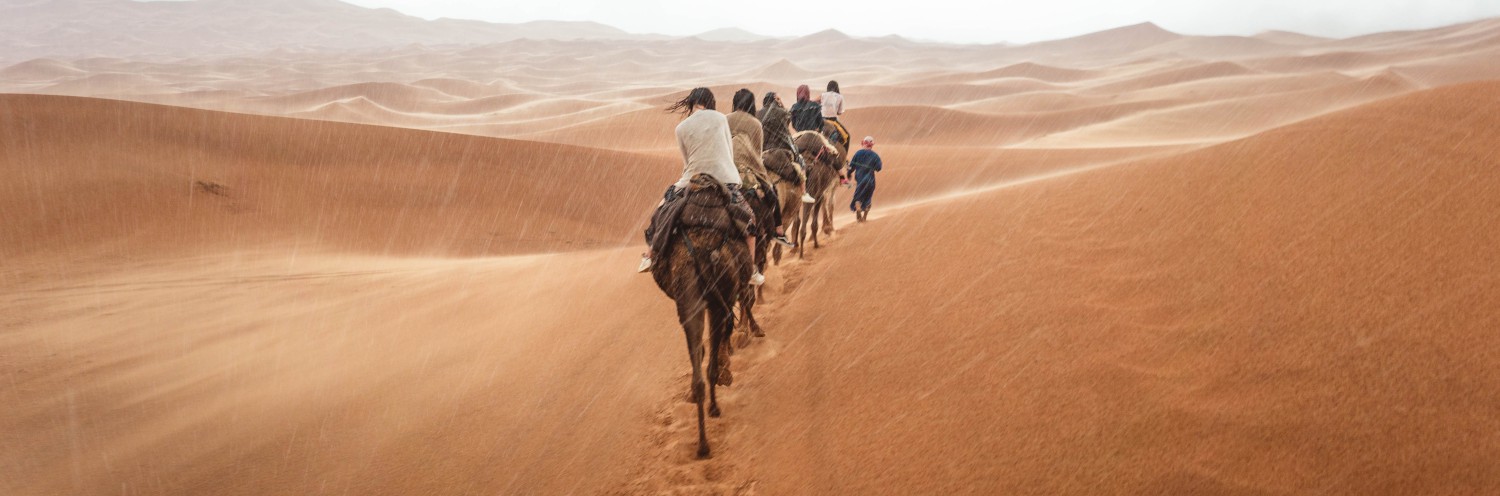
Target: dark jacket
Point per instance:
(864, 165)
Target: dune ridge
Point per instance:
(324, 184)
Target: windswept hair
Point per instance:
(700, 96)
(769, 100)
(803, 93)
(744, 101)
(833, 86)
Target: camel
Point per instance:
(765, 212)
(824, 160)
(704, 269)
(829, 130)
(782, 164)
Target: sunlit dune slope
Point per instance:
(1230, 118)
(85, 173)
(259, 372)
(208, 302)
(1305, 310)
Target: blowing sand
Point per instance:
(1131, 262)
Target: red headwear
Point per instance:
(803, 93)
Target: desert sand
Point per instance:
(1133, 262)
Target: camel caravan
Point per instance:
(752, 176)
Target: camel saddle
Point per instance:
(706, 203)
(783, 163)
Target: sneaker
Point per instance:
(645, 264)
(757, 279)
(806, 198)
(781, 238)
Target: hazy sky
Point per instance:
(969, 20)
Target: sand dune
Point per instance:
(1234, 87)
(1290, 38)
(1024, 70)
(1475, 66)
(1128, 262)
(391, 95)
(936, 126)
(1231, 118)
(572, 92)
(1439, 35)
(1104, 44)
(781, 70)
(107, 84)
(1342, 61)
(40, 70)
(1038, 71)
(1170, 77)
(182, 181)
(829, 38)
(1217, 47)
(1251, 318)
(295, 371)
(456, 87)
(124, 27)
(1038, 101)
(948, 94)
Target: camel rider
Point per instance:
(703, 137)
(746, 133)
(833, 107)
(807, 115)
(776, 125)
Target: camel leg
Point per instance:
(791, 233)
(721, 323)
(747, 309)
(747, 314)
(691, 315)
(791, 210)
(828, 212)
(816, 216)
(802, 232)
(746, 305)
(753, 296)
(761, 252)
(713, 370)
(703, 451)
(812, 227)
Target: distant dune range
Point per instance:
(1129, 262)
(600, 93)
